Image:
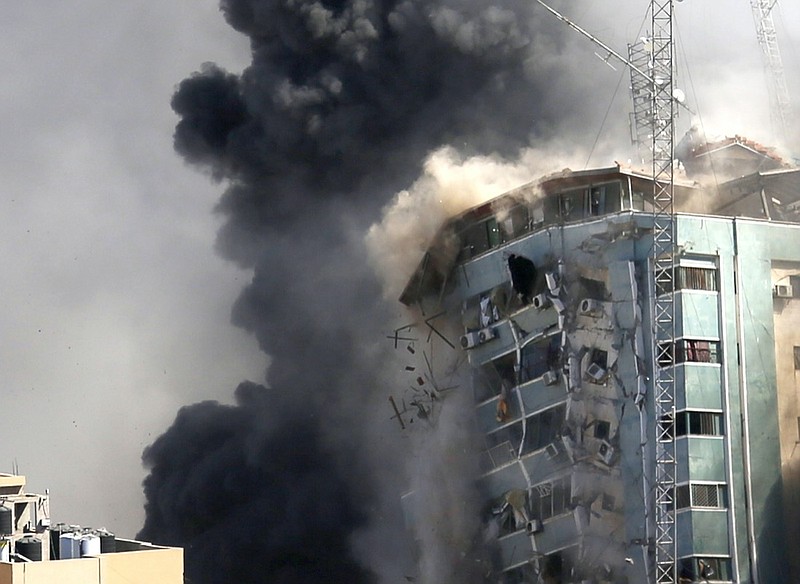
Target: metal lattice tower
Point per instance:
(663, 303)
(641, 94)
(780, 103)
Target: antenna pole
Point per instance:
(663, 298)
(780, 102)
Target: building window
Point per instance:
(542, 428)
(703, 569)
(797, 358)
(698, 423)
(690, 278)
(688, 351)
(552, 498)
(701, 495)
(538, 358)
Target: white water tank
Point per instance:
(90, 545)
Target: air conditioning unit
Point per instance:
(474, 338)
(541, 301)
(590, 307)
(782, 291)
(552, 451)
(552, 283)
(550, 377)
(533, 526)
(595, 373)
(606, 452)
(486, 334)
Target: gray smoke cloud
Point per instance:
(342, 103)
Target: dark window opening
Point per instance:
(508, 437)
(609, 502)
(492, 377)
(687, 351)
(698, 423)
(523, 276)
(520, 575)
(688, 278)
(538, 358)
(797, 358)
(543, 428)
(602, 429)
(551, 499)
(694, 568)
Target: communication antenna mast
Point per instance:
(780, 103)
(663, 122)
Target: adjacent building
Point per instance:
(33, 551)
(551, 288)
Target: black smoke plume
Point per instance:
(341, 104)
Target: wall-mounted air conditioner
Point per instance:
(606, 452)
(550, 377)
(590, 307)
(552, 283)
(474, 338)
(487, 334)
(534, 526)
(782, 291)
(541, 301)
(595, 373)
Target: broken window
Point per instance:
(686, 277)
(508, 437)
(520, 575)
(609, 502)
(523, 276)
(714, 569)
(602, 429)
(538, 358)
(493, 376)
(552, 498)
(698, 423)
(688, 351)
(543, 428)
(514, 222)
(570, 205)
(596, 203)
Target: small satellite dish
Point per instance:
(679, 95)
(647, 44)
(660, 80)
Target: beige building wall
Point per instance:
(153, 565)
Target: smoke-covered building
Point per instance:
(551, 287)
(33, 551)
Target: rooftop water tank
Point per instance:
(108, 543)
(90, 545)
(6, 521)
(69, 546)
(30, 547)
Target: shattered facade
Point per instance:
(551, 286)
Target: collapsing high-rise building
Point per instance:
(551, 287)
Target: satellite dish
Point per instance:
(647, 44)
(679, 95)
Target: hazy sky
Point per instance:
(114, 306)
